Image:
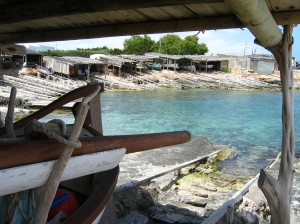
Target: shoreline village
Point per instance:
(76, 180)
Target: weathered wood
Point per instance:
(23, 10)
(13, 49)
(278, 192)
(109, 30)
(48, 192)
(256, 15)
(195, 203)
(94, 115)
(9, 119)
(202, 195)
(97, 201)
(71, 96)
(178, 25)
(161, 173)
(1, 121)
(25, 152)
(35, 175)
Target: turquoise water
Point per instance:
(248, 120)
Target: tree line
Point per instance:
(168, 44)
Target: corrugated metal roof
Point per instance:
(138, 57)
(75, 60)
(111, 59)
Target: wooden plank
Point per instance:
(178, 12)
(34, 175)
(155, 13)
(96, 31)
(205, 9)
(32, 10)
(132, 15)
(95, 114)
(285, 5)
(210, 23)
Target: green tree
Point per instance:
(138, 45)
(169, 44)
(202, 48)
(79, 52)
(115, 51)
(173, 44)
(190, 46)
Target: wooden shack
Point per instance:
(115, 64)
(74, 67)
(39, 21)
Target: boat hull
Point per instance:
(35, 175)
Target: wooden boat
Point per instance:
(94, 165)
(44, 70)
(206, 66)
(156, 67)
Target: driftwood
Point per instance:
(278, 192)
(195, 203)
(47, 192)
(202, 195)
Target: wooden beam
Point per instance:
(32, 10)
(210, 23)
(257, 17)
(85, 32)
(286, 18)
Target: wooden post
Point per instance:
(278, 192)
(105, 71)
(174, 65)
(9, 120)
(47, 192)
(88, 72)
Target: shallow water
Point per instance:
(248, 120)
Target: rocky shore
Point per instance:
(36, 91)
(191, 195)
(194, 193)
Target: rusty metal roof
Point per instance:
(24, 21)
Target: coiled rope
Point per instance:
(55, 135)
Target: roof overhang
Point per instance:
(23, 21)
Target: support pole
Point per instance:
(278, 192)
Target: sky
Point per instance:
(227, 41)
